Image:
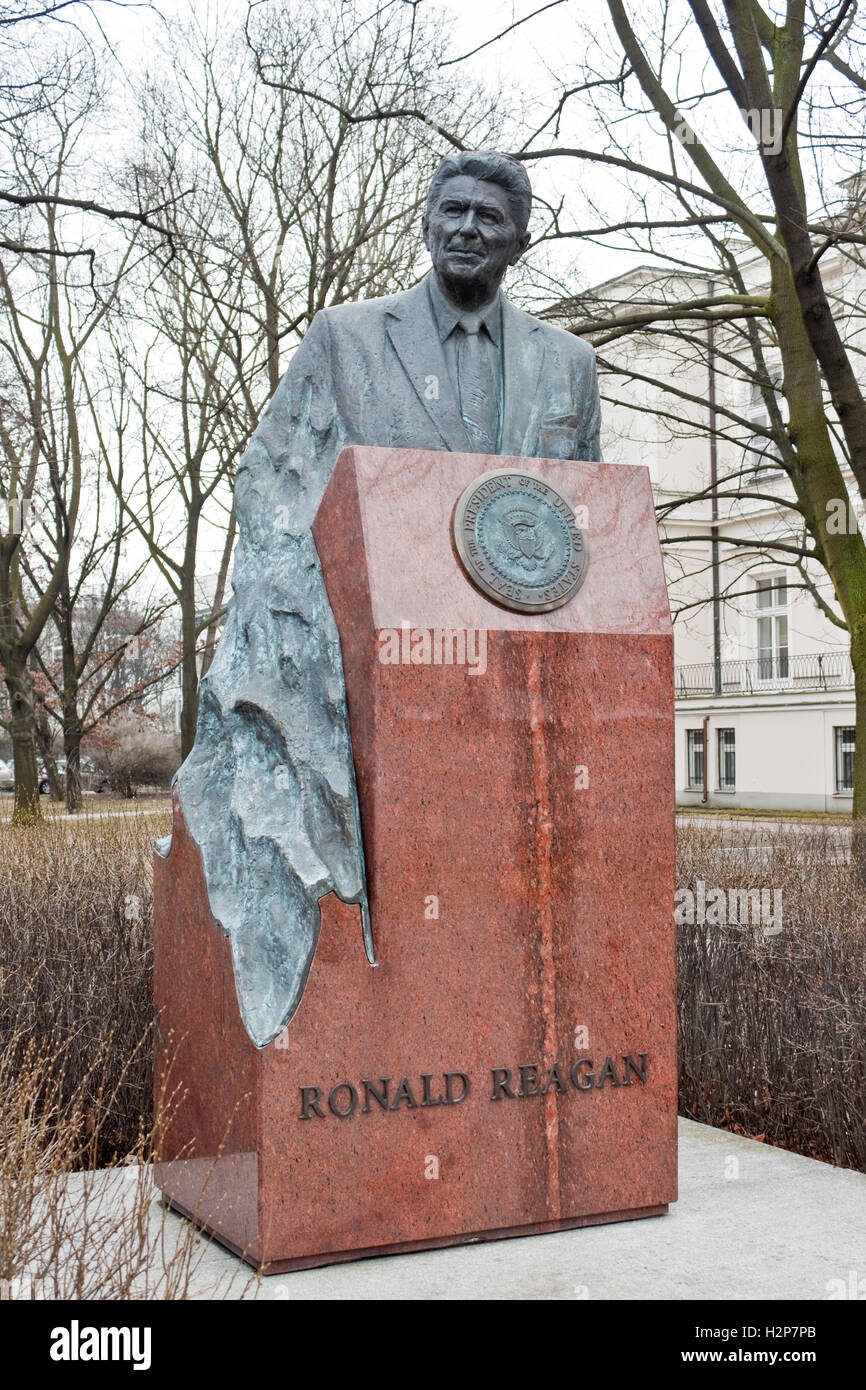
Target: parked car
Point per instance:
(7, 777)
(44, 784)
(92, 779)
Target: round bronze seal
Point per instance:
(519, 541)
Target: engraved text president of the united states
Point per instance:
(268, 792)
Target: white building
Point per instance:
(764, 684)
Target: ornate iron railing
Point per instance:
(760, 675)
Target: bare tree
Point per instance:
(297, 205)
(768, 71)
(51, 306)
(46, 50)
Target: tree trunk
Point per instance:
(42, 734)
(819, 484)
(219, 595)
(72, 752)
(188, 669)
(26, 809)
(819, 320)
(858, 829)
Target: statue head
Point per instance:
(475, 224)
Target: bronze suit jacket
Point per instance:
(268, 792)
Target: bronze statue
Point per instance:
(268, 791)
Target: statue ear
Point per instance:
(521, 247)
(425, 226)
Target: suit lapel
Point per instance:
(523, 357)
(413, 332)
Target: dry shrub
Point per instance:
(771, 1025)
(71, 1230)
(135, 750)
(79, 1216)
(76, 905)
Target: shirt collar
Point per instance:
(447, 316)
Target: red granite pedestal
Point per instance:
(509, 1065)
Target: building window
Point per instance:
(761, 454)
(695, 758)
(727, 760)
(844, 760)
(771, 602)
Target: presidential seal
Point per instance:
(519, 541)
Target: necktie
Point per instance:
(478, 385)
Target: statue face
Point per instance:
(472, 237)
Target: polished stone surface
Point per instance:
(518, 828)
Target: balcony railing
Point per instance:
(763, 675)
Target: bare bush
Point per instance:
(771, 1020)
(75, 961)
(68, 1228)
(135, 751)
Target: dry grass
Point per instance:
(728, 813)
(94, 807)
(772, 1026)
